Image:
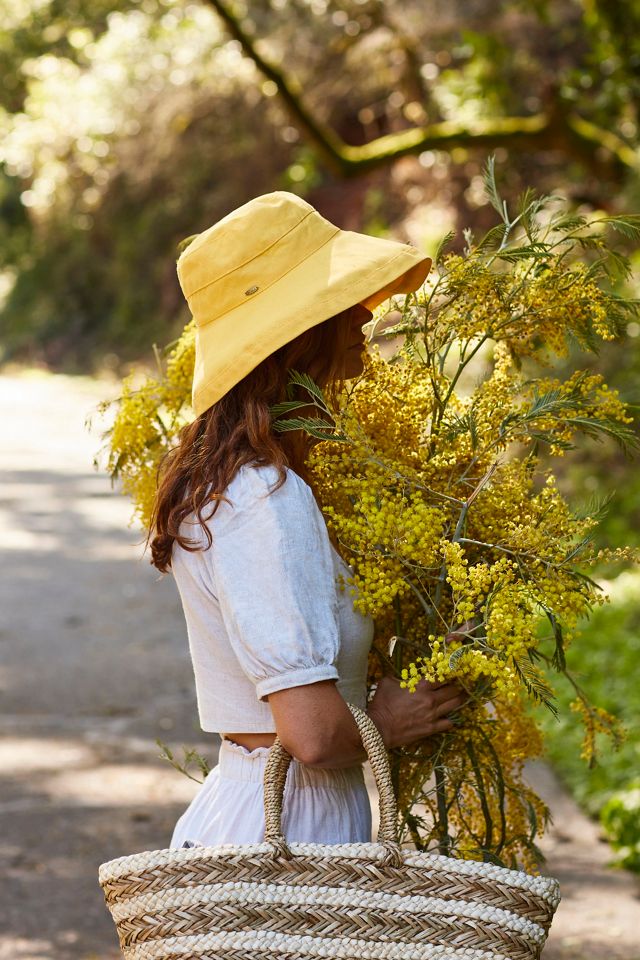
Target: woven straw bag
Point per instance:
(358, 901)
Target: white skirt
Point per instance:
(319, 805)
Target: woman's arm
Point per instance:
(316, 726)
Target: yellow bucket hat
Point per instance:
(272, 269)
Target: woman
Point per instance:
(277, 648)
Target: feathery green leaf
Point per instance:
(287, 406)
(535, 685)
(304, 380)
(442, 245)
(315, 426)
(627, 224)
(491, 189)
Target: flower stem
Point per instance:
(444, 843)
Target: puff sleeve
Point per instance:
(274, 579)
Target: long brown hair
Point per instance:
(237, 430)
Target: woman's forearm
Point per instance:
(401, 716)
(345, 748)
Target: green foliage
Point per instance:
(30, 29)
(190, 759)
(620, 817)
(606, 663)
(126, 126)
(95, 273)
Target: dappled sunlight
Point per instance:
(48, 473)
(21, 948)
(21, 755)
(55, 409)
(123, 73)
(96, 511)
(79, 599)
(119, 785)
(89, 772)
(27, 540)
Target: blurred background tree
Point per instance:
(128, 125)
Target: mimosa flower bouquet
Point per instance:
(434, 473)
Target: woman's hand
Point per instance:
(403, 717)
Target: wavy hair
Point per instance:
(238, 429)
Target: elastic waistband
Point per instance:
(235, 762)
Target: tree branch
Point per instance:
(551, 129)
(328, 144)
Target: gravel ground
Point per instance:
(94, 667)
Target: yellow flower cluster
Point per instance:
(392, 534)
(586, 397)
(136, 444)
(530, 309)
(146, 423)
(179, 370)
(560, 299)
(479, 298)
(595, 720)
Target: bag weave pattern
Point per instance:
(358, 901)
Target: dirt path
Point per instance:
(94, 668)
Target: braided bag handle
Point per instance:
(275, 776)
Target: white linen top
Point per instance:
(263, 609)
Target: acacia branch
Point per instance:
(553, 128)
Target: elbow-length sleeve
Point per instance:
(274, 579)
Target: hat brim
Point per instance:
(349, 268)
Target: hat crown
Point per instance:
(250, 248)
(271, 270)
